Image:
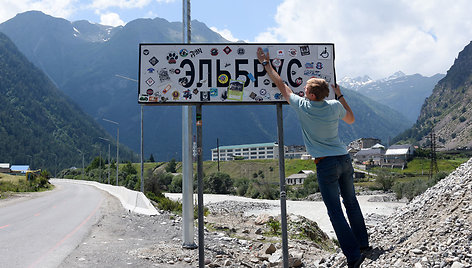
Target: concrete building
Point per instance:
(5, 168)
(246, 151)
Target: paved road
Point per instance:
(42, 231)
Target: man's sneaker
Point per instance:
(357, 263)
(366, 250)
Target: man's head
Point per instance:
(316, 89)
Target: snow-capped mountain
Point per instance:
(404, 93)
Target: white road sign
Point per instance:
(180, 74)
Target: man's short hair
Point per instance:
(319, 87)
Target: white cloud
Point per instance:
(225, 33)
(111, 19)
(104, 4)
(378, 37)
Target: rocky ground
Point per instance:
(433, 230)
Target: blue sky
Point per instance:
(371, 37)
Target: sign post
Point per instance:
(205, 74)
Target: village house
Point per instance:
(298, 178)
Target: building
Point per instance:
(363, 143)
(373, 155)
(19, 169)
(298, 178)
(296, 152)
(5, 168)
(246, 151)
(398, 155)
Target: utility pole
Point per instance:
(433, 167)
(117, 146)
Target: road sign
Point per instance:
(229, 73)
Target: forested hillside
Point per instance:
(39, 124)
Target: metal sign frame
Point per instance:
(228, 73)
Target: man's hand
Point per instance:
(261, 56)
(336, 89)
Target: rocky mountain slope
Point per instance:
(401, 92)
(448, 111)
(433, 230)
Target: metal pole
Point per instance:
(218, 152)
(117, 151)
(142, 152)
(283, 195)
(83, 165)
(117, 145)
(109, 163)
(201, 247)
(187, 166)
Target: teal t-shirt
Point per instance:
(319, 121)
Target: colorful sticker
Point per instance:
(146, 52)
(241, 51)
(280, 53)
(150, 81)
(151, 70)
(301, 94)
(167, 88)
(235, 90)
(187, 94)
(252, 95)
(175, 95)
(172, 57)
(213, 92)
(214, 52)
(223, 78)
(150, 91)
(277, 62)
(319, 65)
(292, 52)
(277, 96)
(262, 92)
(143, 98)
(227, 50)
(195, 91)
(183, 53)
(251, 77)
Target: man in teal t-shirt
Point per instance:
(319, 120)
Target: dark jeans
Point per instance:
(335, 175)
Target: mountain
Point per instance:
(84, 59)
(403, 93)
(39, 124)
(448, 111)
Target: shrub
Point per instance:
(385, 180)
(274, 226)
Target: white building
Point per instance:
(298, 178)
(246, 151)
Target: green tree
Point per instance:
(176, 184)
(171, 166)
(97, 162)
(151, 159)
(385, 180)
(218, 183)
(129, 169)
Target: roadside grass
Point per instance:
(17, 183)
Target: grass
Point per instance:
(18, 183)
